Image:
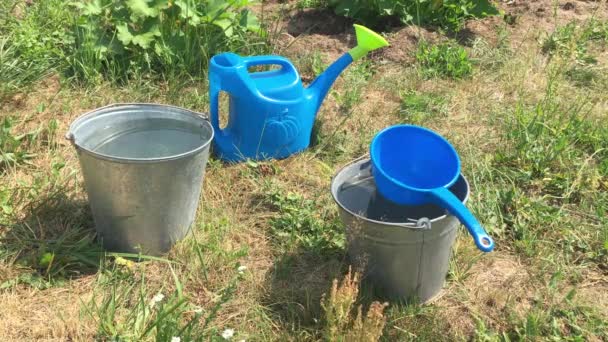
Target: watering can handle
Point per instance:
(214, 99)
(448, 200)
(270, 60)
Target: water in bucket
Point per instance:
(145, 138)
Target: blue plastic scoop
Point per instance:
(412, 165)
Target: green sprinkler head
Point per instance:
(367, 40)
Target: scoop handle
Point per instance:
(448, 200)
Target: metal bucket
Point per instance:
(402, 251)
(143, 166)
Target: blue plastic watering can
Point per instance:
(271, 113)
(412, 165)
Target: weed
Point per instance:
(488, 57)
(41, 36)
(551, 160)
(32, 45)
(446, 59)
(417, 108)
(311, 65)
(553, 316)
(330, 146)
(334, 144)
(573, 41)
(300, 223)
(338, 309)
(13, 148)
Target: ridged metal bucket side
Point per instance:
(144, 204)
(400, 262)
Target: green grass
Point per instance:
(32, 47)
(356, 77)
(159, 316)
(416, 108)
(299, 224)
(548, 169)
(577, 41)
(447, 60)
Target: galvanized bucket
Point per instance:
(143, 166)
(402, 251)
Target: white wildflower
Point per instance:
(157, 298)
(175, 339)
(241, 269)
(228, 333)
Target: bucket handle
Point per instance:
(422, 223)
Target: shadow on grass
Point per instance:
(465, 36)
(296, 283)
(55, 240)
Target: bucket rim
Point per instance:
(92, 113)
(366, 159)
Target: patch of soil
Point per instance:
(523, 17)
(486, 29)
(43, 91)
(332, 47)
(403, 43)
(315, 21)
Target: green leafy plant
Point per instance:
(448, 60)
(450, 14)
(157, 35)
(300, 223)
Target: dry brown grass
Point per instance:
(50, 315)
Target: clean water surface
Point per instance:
(151, 141)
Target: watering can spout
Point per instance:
(367, 40)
